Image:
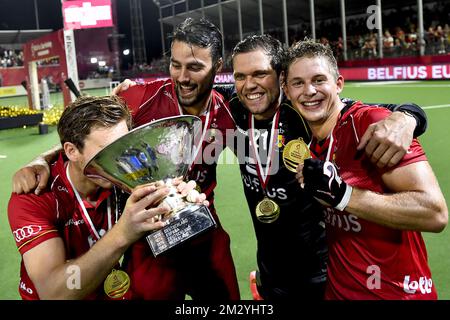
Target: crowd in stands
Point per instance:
(14, 58)
(400, 34)
(10, 58)
(156, 66)
(396, 43)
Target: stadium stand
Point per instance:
(291, 20)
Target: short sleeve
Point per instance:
(32, 219)
(371, 115)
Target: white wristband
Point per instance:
(345, 199)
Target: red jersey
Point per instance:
(56, 213)
(201, 267)
(368, 260)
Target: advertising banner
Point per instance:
(405, 72)
(387, 73)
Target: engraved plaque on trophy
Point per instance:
(159, 151)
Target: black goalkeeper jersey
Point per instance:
(292, 250)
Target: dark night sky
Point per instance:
(20, 14)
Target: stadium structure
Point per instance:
(362, 34)
(287, 18)
(372, 40)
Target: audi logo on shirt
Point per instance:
(26, 232)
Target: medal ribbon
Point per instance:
(84, 213)
(330, 150)
(264, 176)
(330, 146)
(331, 138)
(207, 123)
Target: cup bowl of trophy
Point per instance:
(162, 150)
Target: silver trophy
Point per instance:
(161, 150)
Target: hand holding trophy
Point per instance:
(159, 152)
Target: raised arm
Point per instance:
(123, 86)
(35, 175)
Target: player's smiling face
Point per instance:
(192, 71)
(312, 88)
(257, 83)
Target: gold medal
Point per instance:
(294, 153)
(267, 211)
(116, 284)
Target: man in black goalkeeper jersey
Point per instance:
(292, 251)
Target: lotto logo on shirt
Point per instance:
(423, 284)
(24, 287)
(26, 232)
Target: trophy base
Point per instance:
(185, 224)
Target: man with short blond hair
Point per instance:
(374, 217)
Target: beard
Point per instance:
(202, 91)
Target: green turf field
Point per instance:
(18, 146)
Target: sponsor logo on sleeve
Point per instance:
(26, 232)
